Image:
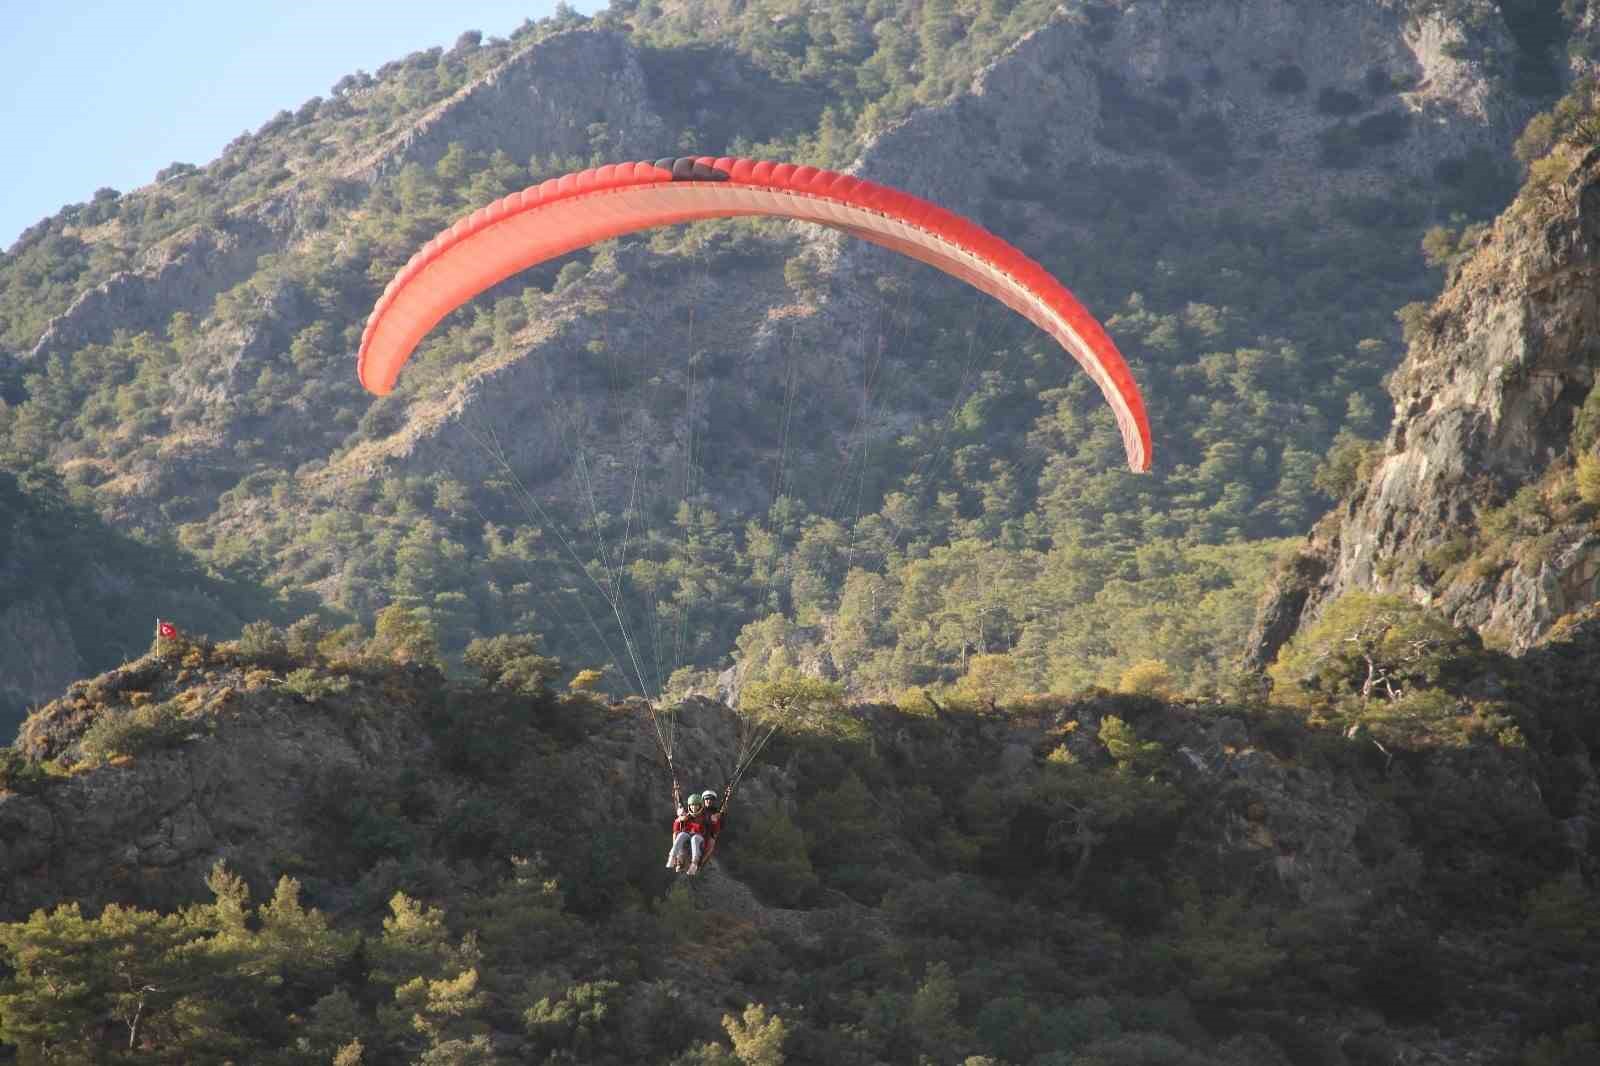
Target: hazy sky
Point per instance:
(107, 92)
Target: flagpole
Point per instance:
(158, 638)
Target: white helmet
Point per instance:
(709, 798)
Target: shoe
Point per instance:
(694, 868)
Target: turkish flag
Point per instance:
(166, 630)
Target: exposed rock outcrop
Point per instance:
(553, 98)
(1485, 405)
(183, 273)
(148, 829)
(1245, 76)
(570, 95)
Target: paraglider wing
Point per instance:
(565, 214)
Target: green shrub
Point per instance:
(1413, 319)
(1147, 677)
(578, 1021)
(1349, 464)
(1374, 648)
(1082, 1022)
(1563, 915)
(1007, 1025)
(18, 773)
(1537, 138)
(384, 416)
(405, 635)
(1417, 719)
(772, 858)
(1452, 552)
(1124, 745)
(313, 686)
(302, 637)
(263, 642)
(512, 661)
(1526, 514)
(1588, 479)
(142, 729)
(1586, 427)
(570, 274)
(374, 831)
(679, 918)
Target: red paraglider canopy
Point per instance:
(568, 213)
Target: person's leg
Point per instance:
(696, 844)
(680, 843)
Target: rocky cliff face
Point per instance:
(183, 273)
(1485, 402)
(1247, 83)
(576, 93)
(541, 101)
(236, 785)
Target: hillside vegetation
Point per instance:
(469, 871)
(405, 817)
(77, 596)
(889, 478)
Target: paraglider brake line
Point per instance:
(742, 765)
(499, 456)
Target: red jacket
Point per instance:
(687, 822)
(712, 821)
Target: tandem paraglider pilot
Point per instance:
(694, 832)
(688, 835)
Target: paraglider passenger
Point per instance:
(711, 824)
(688, 835)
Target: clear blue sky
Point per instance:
(107, 92)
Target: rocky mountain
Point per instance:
(1480, 501)
(1393, 864)
(1237, 187)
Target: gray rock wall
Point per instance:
(1485, 403)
